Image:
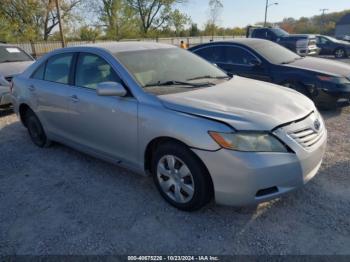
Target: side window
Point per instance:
(214, 54)
(260, 33)
(92, 70)
(58, 68)
(270, 36)
(39, 72)
(324, 40)
(237, 55)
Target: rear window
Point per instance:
(9, 54)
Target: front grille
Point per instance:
(9, 78)
(308, 137)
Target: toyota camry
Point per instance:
(165, 112)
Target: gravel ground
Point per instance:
(59, 201)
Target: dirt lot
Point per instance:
(59, 201)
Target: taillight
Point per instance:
(11, 87)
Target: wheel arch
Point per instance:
(151, 147)
(22, 110)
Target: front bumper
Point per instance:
(242, 179)
(313, 51)
(5, 97)
(340, 91)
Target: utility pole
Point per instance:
(324, 10)
(266, 9)
(60, 23)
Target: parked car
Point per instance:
(158, 109)
(323, 80)
(332, 46)
(303, 45)
(13, 61)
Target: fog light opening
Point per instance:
(267, 191)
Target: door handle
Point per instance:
(75, 98)
(32, 88)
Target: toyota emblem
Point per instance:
(317, 125)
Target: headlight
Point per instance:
(249, 142)
(334, 79)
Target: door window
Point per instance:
(238, 56)
(92, 70)
(214, 54)
(58, 68)
(260, 33)
(39, 72)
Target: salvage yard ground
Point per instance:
(59, 201)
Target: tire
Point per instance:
(340, 53)
(35, 130)
(326, 102)
(175, 181)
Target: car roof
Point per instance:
(118, 47)
(249, 42)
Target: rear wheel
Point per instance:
(35, 130)
(180, 177)
(340, 53)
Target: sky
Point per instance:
(244, 12)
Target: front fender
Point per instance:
(155, 121)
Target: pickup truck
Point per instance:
(303, 45)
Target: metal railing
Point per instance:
(37, 49)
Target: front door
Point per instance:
(239, 61)
(106, 125)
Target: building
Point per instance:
(343, 27)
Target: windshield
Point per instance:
(275, 53)
(170, 70)
(10, 54)
(279, 32)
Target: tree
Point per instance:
(215, 8)
(178, 20)
(34, 19)
(89, 34)
(118, 18)
(51, 16)
(153, 14)
(194, 30)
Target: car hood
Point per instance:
(14, 68)
(243, 103)
(321, 65)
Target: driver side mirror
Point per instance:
(111, 89)
(254, 62)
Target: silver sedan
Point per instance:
(163, 111)
(13, 61)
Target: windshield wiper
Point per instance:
(209, 77)
(179, 83)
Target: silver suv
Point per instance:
(160, 110)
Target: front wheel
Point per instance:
(180, 177)
(35, 130)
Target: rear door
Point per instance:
(49, 89)
(104, 125)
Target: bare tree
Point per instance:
(215, 9)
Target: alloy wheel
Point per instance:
(340, 53)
